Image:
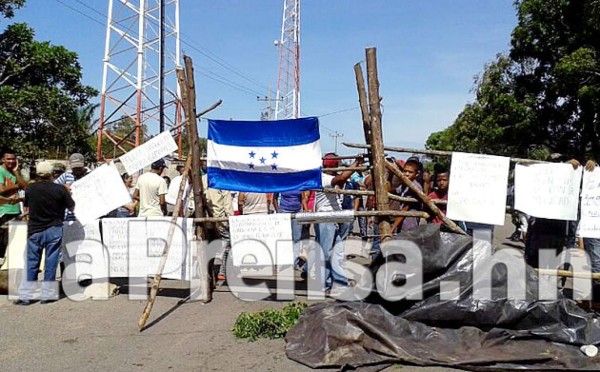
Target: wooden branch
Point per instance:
(375, 138)
(569, 274)
(433, 152)
(346, 157)
(362, 101)
(425, 199)
(209, 109)
(372, 193)
(206, 111)
(165, 253)
(341, 169)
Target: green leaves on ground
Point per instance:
(269, 324)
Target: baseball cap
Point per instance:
(59, 167)
(76, 160)
(329, 162)
(160, 163)
(44, 168)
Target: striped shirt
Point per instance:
(68, 178)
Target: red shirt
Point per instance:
(442, 207)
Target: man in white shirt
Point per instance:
(327, 234)
(173, 192)
(150, 190)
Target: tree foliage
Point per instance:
(41, 92)
(8, 7)
(544, 96)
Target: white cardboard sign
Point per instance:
(477, 191)
(548, 190)
(259, 237)
(98, 193)
(158, 147)
(589, 224)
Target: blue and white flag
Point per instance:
(264, 156)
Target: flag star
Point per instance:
(262, 160)
(273, 166)
(252, 153)
(251, 166)
(274, 154)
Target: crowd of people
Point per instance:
(47, 203)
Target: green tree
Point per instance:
(40, 91)
(544, 96)
(7, 7)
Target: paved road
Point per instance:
(103, 335)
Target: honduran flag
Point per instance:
(264, 156)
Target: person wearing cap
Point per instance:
(150, 191)
(77, 172)
(46, 202)
(327, 234)
(58, 169)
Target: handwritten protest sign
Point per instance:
(134, 247)
(548, 190)
(158, 147)
(98, 193)
(477, 191)
(82, 245)
(17, 246)
(261, 240)
(589, 224)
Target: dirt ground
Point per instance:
(103, 335)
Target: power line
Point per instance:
(216, 61)
(80, 12)
(221, 62)
(339, 111)
(231, 85)
(207, 54)
(91, 8)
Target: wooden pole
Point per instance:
(376, 140)
(371, 193)
(432, 152)
(341, 169)
(165, 253)
(425, 199)
(569, 274)
(194, 145)
(205, 287)
(362, 101)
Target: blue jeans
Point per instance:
(50, 240)
(592, 247)
(296, 235)
(327, 235)
(344, 230)
(362, 224)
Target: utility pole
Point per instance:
(336, 135)
(161, 69)
(267, 113)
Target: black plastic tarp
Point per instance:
(466, 332)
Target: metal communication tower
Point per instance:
(139, 81)
(287, 104)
